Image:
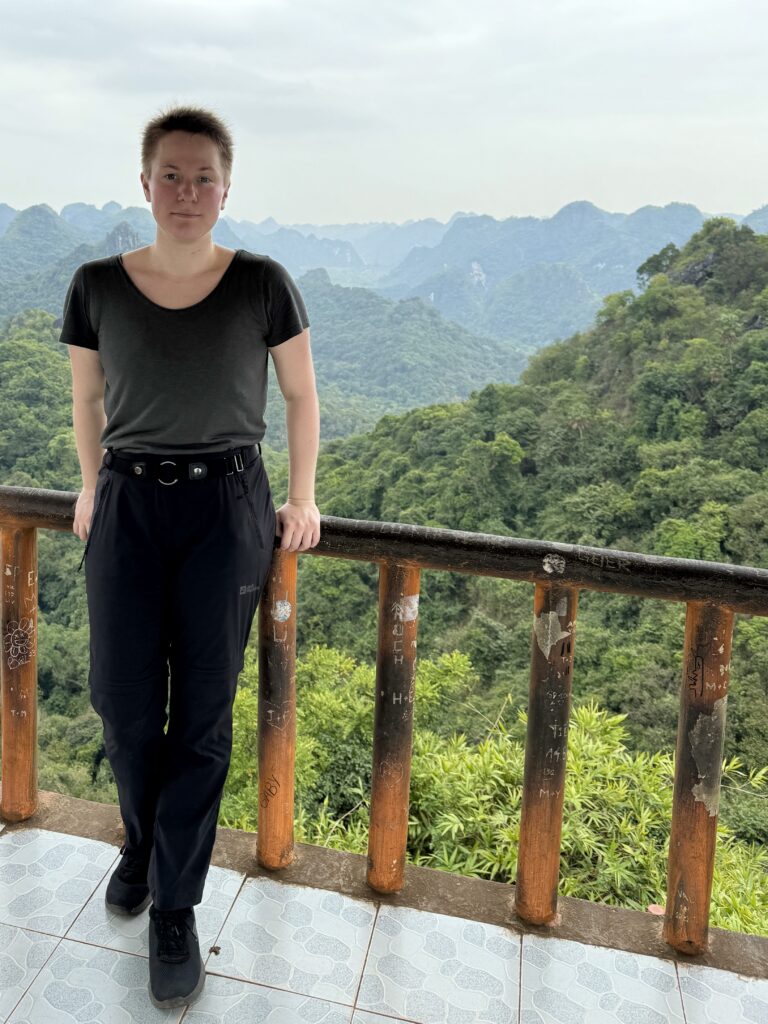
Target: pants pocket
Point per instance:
(102, 488)
(255, 518)
(257, 493)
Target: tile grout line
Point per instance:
(26, 928)
(60, 938)
(240, 888)
(356, 996)
(290, 991)
(35, 976)
(109, 949)
(680, 992)
(389, 1017)
(520, 983)
(243, 880)
(109, 867)
(276, 988)
(246, 981)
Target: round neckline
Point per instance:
(175, 309)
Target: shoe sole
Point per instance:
(162, 1004)
(117, 909)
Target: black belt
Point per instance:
(170, 469)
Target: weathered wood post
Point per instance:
(18, 672)
(277, 712)
(393, 725)
(546, 746)
(698, 761)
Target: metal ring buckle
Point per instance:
(239, 456)
(168, 462)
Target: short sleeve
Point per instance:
(284, 305)
(76, 327)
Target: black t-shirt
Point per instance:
(184, 379)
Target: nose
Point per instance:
(187, 191)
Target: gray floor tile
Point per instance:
(22, 954)
(90, 985)
(719, 997)
(567, 981)
(229, 1001)
(130, 933)
(46, 878)
(437, 969)
(306, 940)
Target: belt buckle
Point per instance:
(238, 456)
(168, 462)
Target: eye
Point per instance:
(170, 174)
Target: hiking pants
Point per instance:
(174, 570)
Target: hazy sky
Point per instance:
(352, 110)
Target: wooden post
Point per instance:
(393, 725)
(698, 760)
(18, 673)
(541, 819)
(277, 712)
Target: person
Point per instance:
(168, 346)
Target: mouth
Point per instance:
(186, 214)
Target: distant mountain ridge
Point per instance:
(373, 355)
(521, 281)
(481, 262)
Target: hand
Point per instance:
(298, 525)
(81, 526)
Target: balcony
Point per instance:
(297, 933)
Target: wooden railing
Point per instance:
(712, 592)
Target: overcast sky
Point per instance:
(353, 110)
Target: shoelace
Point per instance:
(171, 926)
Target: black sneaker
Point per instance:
(176, 969)
(127, 890)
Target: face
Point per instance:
(187, 197)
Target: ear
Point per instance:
(144, 185)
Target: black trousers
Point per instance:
(174, 573)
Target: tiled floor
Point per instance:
(286, 954)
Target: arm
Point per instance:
(88, 417)
(88, 420)
(299, 517)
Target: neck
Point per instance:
(172, 259)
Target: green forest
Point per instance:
(646, 433)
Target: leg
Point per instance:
(225, 546)
(129, 640)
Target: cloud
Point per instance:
(479, 105)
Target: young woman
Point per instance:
(168, 347)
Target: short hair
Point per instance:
(196, 120)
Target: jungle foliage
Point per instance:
(646, 433)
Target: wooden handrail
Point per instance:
(738, 587)
(713, 591)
